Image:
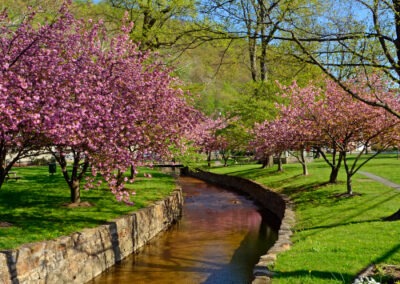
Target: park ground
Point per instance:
(335, 237)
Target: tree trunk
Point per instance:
(225, 158)
(262, 19)
(2, 177)
(280, 166)
(267, 162)
(334, 175)
(303, 163)
(348, 185)
(73, 179)
(305, 169)
(132, 175)
(335, 168)
(75, 191)
(253, 57)
(264, 163)
(209, 159)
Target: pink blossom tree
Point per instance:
(66, 86)
(269, 139)
(342, 123)
(206, 136)
(23, 86)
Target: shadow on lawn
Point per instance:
(295, 190)
(348, 219)
(371, 270)
(249, 173)
(40, 223)
(314, 275)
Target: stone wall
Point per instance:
(80, 257)
(279, 205)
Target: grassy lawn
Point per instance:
(335, 237)
(35, 205)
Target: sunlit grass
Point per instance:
(35, 205)
(335, 237)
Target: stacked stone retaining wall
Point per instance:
(80, 257)
(277, 204)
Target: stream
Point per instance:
(219, 239)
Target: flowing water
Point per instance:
(218, 240)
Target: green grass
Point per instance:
(34, 205)
(335, 237)
(387, 166)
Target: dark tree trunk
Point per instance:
(253, 57)
(73, 178)
(225, 158)
(334, 175)
(209, 159)
(262, 18)
(132, 175)
(2, 177)
(120, 177)
(6, 166)
(280, 165)
(335, 166)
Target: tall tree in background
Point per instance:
(359, 36)
(259, 23)
(159, 23)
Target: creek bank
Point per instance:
(81, 256)
(279, 205)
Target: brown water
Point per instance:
(218, 240)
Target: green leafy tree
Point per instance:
(359, 36)
(158, 23)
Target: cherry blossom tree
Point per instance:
(269, 139)
(281, 135)
(22, 87)
(341, 123)
(206, 136)
(66, 86)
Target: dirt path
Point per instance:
(381, 180)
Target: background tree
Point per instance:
(362, 38)
(206, 136)
(258, 22)
(160, 24)
(270, 140)
(341, 123)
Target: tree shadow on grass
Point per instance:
(294, 190)
(369, 271)
(40, 223)
(313, 276)
(348, 219)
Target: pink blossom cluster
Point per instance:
(327, 116)
(66, 86)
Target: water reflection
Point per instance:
(218, 240)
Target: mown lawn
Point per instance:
(335, 237)
(35, 205)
